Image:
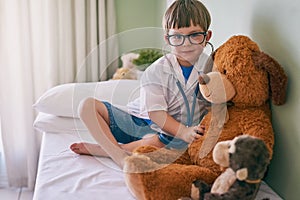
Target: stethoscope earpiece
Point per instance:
(211, 46)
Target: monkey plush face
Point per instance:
(247, 156)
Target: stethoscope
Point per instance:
(190, 111)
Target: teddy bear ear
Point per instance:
(277, 77)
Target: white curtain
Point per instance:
(44, 43)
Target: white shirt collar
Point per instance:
(197, 69)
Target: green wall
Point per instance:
(278, 34)
(138, 13)
(139, 24)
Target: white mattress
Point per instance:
(63, 175)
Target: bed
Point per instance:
(65, 175)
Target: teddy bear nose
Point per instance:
(204, 79)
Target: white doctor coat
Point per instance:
(160, 92)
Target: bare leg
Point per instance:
(149, 140)
(94, 115)
(96, 150)
(84, 148)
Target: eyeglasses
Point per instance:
(194, 38)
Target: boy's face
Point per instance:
(187, 53)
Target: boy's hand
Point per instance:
(189, 134)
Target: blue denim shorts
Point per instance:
(127, 128)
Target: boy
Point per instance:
(168, 110)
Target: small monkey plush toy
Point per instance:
(246, 159)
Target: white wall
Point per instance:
(274, 25)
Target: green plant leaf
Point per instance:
(146, 58)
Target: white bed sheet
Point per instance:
(63, 175)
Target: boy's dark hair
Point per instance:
(182, 12)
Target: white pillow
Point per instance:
(63, 100)
(50, 123)
(55, 124)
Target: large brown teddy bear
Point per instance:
(255, 79)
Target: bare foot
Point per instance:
(91, 149)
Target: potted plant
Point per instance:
(146, 58)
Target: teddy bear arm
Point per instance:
(163, 155)
(259, 125)
(148, 180)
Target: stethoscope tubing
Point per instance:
(190, 112)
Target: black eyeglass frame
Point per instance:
(187, 36)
